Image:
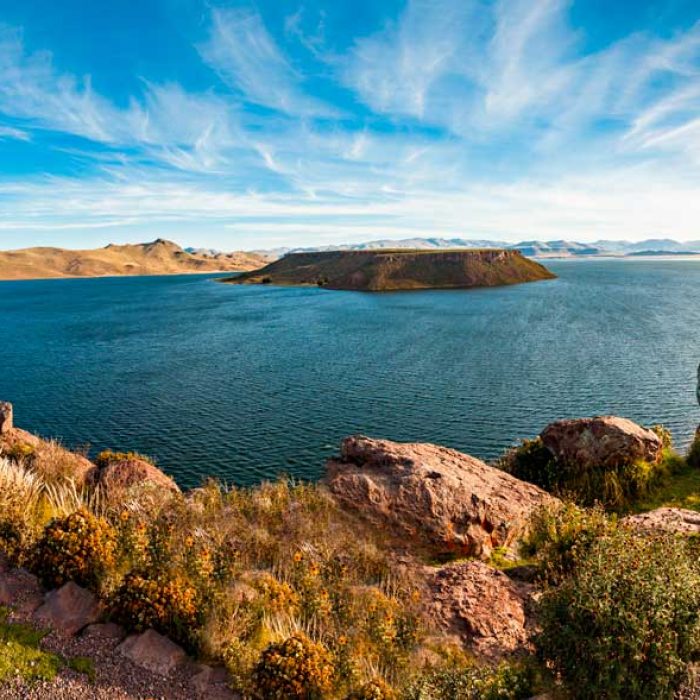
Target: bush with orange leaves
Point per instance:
(79, 547)
(168, 606)
(294, 668)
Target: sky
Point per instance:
(247, 125)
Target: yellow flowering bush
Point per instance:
(294, 668)
(373, 690)
(168, 606)
(79, 547)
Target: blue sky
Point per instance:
(280, 122)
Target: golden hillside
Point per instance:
(160, 257)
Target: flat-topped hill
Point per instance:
(391, 270)
(160, 257)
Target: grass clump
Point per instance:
(20, 655)
(626, 622)
(561, 534)
(84, 665)
(107, 457)
(507, 681)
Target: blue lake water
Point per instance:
(244, 382)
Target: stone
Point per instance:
(431, 496)
(678, 520)
(153, 651)
(601, 442)
(123, 475)
(212, 683)
(6, 422)
(68, 609)
(481, 606)
(20, 590)
(104, 630)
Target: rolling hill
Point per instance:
(159, 257)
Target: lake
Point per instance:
(244, 383)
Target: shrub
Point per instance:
(533, 462)
(627, 621)
(693, 457)
(559, 535)
(169, 607)
(79, 547)
(373, 690)
(615, 487)
(294, 668)
(509, 681)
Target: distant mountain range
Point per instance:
(534, 248)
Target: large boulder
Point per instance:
(434, 496)
(482, 607)
(678, 520)
(121, 476)
(20, 590)
(68, 609)
(603, 442)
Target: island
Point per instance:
(159, 257)
(399, 269)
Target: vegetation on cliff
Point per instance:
(390, 270)
(297, 595)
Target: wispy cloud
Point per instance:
(245, 55)
(9, 132)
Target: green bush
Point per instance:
(614, 487)
(79, 547)
(561, 534)
(373, 690)
(693, 457)
(107, 457)
(294, 668)
(509, 681)
(627, 621)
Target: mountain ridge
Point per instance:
(158, 257)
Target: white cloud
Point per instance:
(247, 58)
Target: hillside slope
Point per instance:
(157, 258)
(390, 270)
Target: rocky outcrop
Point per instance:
(153, 651)
(482, 607)
(601, 442)
(68, 609)
(432, 496)
(121, 476)
(679, 520)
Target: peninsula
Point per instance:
(399, 269)
(159, 257)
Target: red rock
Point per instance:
(680, 520)
(481, 606)
(212, 684)
(601, 442)
(153, 651)
(68, 609)
(123, 475)
(433, 496)
(20, 590)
